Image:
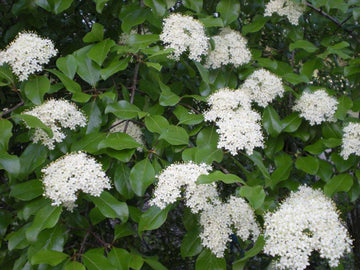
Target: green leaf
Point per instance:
(271, 121)
(123, 109)
(284, 164)
(256, 249)
(99, 52)
(156, 66)
(120, 258)
(157, 6)
(142, 41)
(122, 180)
(195, 5)
(10, 163)
(258, 160)
(88, 143)
(100, 5)
(110, 207)
(257, 23)
(175, 135)
(345, 104)
(50, 257)
(341, 164)
(136, 261)
(255, 195)
(27, 191)
(123, 230)
(204, 72)
(88, 70)
(6, 76)
(316, 148)
(34, 122)
(73, 265)
(191, 244)
(307, 164)
(96, 34)
(118, 141)
(46, 217)
(94, 116)
(36, 88)
(142, 175)
(267, 63)
(155, 264)
(54, 6)
(187, 117)
(67, 65)
(5, 220)
(16, 239)
(5, 133)
(209, 261)
(156, 123)
(132, 18)
(291, 123)
(229, 10)
(325, 170)
(153, 218)
(168, 98)
(216, 176)
(331, 130)
(115, 66)
(303, 44)
(210, 21)
(94, 259)
(341, 182)
(294, 78)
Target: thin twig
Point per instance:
(133, 88)
(12, 109)
(82, 246)
(334, 20)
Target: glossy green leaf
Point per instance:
(142, 41)
(88, 70)
(258, 160)
(6, 76)
(45, 218)
(195, 5)
(73, 265)
(303, 44)
(50, 257)
(341, 164)
(255, 195)
(99, 52)
(157, 6)
(345, 104)
(256, 249)
(153, 218)
(291, 123)
(5, 133)
(210, 21)
(110, 207)
(156, 123)
(88, 143)
(96, 34)
(120, 258)
(316, 148)
(257, 23)
(341, 182)
(123, 109)
(136, 261)
(17, 239)
(10, 163)
(154, 263)
(284, 164)
(118, 141)
(67, 65)
(100, 4)
(229, 10)
(209, 261)
(142, 175)
(191, 244)
(34, 122)
(54, 6)
(122, 181)
(113, 67)
(187, 117)
(168, 98)
(175, 135)
(271, 121)
(27, 191)
(307, 164)
(133, 18)
(36, 88)
(219, 176)
(95, 260)
(325, 170)
(123, 230)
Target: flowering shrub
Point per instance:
(217, 134)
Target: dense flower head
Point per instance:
(219, 220)
(70, 174)
(238, 125)
(230, 48)
(306, 221)
(351, 140)
(182, 33)
(56, 114)
(263, 87)
(132, 130)
(316, 107)
(27, 54)
(287, 8)
(176, 176)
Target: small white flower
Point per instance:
(132, 130)
(351, 140)
(230, 48)
(287, 8)
(182, 33)
(70, 174)
(56, 114)
(27, 54)
(316, 107)
(263, 87)
(306, 221)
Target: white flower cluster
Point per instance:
(263, 87)
(230, 48)
(70, 174)
(217, 222)
(287, 8)
(306, 221)
(27, 53)
(56, 114)
(182, 33)
(316, 107)
(239, 126)
(176, 176)
(132, 130)
(351, 140)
